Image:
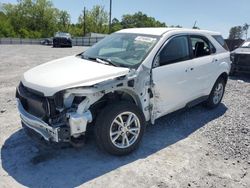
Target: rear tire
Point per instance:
(119, 128)
(216, 94)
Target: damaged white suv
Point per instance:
(129, 78)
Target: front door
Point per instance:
(172, 76)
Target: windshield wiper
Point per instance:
(105, 61)
(100, 60)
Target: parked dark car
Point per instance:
(241, 59)
(62, 39)
(48, 41)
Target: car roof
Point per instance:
(162, 30)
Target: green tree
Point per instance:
(140, 20)
(96, 20)
(116, 25)
(39, 18)
(6, 29)
(236, 32)
(76, 30)
(64, 21)
(34, 18)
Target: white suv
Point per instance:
(129, 78)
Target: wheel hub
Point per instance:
(218, 93)
(125, 130)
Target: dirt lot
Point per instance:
(193, 148)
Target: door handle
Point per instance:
(215, 60)
(191, 69)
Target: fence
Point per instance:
(77, 41)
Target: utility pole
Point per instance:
(194, 27)
(110, 14)
(84, 21)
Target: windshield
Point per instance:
(62, 35)
(246, 44)
(122, 49)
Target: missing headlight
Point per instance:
(58, 100)
(78, 99)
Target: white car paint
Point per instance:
(69, 72)
(173, 85)
(160, 31)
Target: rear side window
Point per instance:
(220, 40)
(201, 46)
(175, 51)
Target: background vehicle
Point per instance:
(241, 59)
(62, 39)
(129, 78)
(48, 41)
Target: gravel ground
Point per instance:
(231, 134)
(192, 148)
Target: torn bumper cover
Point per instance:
(77, 124)
(47, 132)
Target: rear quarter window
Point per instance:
(221, 41)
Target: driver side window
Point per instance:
(176, 50)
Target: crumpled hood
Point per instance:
(69, 72)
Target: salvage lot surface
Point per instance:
(193, 148)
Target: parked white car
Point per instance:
(129, 78)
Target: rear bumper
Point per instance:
(62, 42)
(47, 132)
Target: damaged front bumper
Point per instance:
(63, 133)
(47, 132)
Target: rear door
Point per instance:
(204, 60)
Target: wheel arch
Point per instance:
(121, 95)
(223, 76)
(133, 96)
(126, 95)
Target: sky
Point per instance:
(215, 15)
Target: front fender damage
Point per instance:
(136, 84)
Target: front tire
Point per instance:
(119, 128)
(216, 94)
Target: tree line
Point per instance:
(40, 19)
(238, 32)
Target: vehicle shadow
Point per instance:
(72, 167)
(243, 77)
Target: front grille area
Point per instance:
(242, 59)
(33, 102)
